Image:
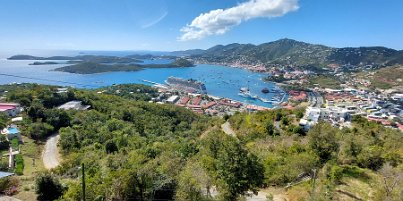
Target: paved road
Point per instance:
(50, 155)
(226, 127)
(315, 99)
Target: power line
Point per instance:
(48, 80)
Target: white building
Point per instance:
(172, 99)
(331, 114)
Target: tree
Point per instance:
(111, 147)
(323, 141)
(192, 181)
(36, 110)
(234, 169)
(48, 187)
(57, 118)
(40, 130)
(298, 130)
(371, 157)
(3, 121)
(392, 177)
(270, 128)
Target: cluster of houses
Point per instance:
(12, 110)
(341, 105)
(201, 104)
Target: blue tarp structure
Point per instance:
(5, 174)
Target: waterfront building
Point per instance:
(172, 99)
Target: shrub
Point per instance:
(9, 185)
(15, 143)
(48, 187)
(19, 164)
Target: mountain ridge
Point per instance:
(291, 52)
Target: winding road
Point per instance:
(50, 155)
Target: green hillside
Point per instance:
(296, 53)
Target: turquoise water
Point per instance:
(220, 80)
(12, 130)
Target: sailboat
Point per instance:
(245, 92)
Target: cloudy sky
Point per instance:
(187, 24)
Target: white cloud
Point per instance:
(217, 22)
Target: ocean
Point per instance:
(220, 81)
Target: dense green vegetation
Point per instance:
(133, 149)
(336, 155)
(88, 64)
(44, 63)
(93, 67)
(19, 164)
(324, 82)
(295, 53)
(47, 187)
(131, 91)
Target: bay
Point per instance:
(220, 81)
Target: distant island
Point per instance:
(89, 64)
(44, 63)
(91, 67)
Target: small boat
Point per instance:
(265, 90)
(244, 92)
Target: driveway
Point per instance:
(50, 155)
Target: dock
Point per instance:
(155, 84)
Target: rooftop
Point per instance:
(75, 105)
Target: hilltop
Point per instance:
(93, 67)
(296, 53)
(283, 52)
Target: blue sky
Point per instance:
(176, 25)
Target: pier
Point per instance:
(155, 84)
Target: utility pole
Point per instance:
(83, 181)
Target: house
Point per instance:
(74, 105)
(172, 99)
(196, 100)
(10, 109)
(62, 90)
(330, 114)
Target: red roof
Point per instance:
(6, 107)
(197, 100)
(184, 100)
(210, 104)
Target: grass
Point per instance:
(325, 82)
(384, 78)
(30, 150)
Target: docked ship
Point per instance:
(187, 85)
